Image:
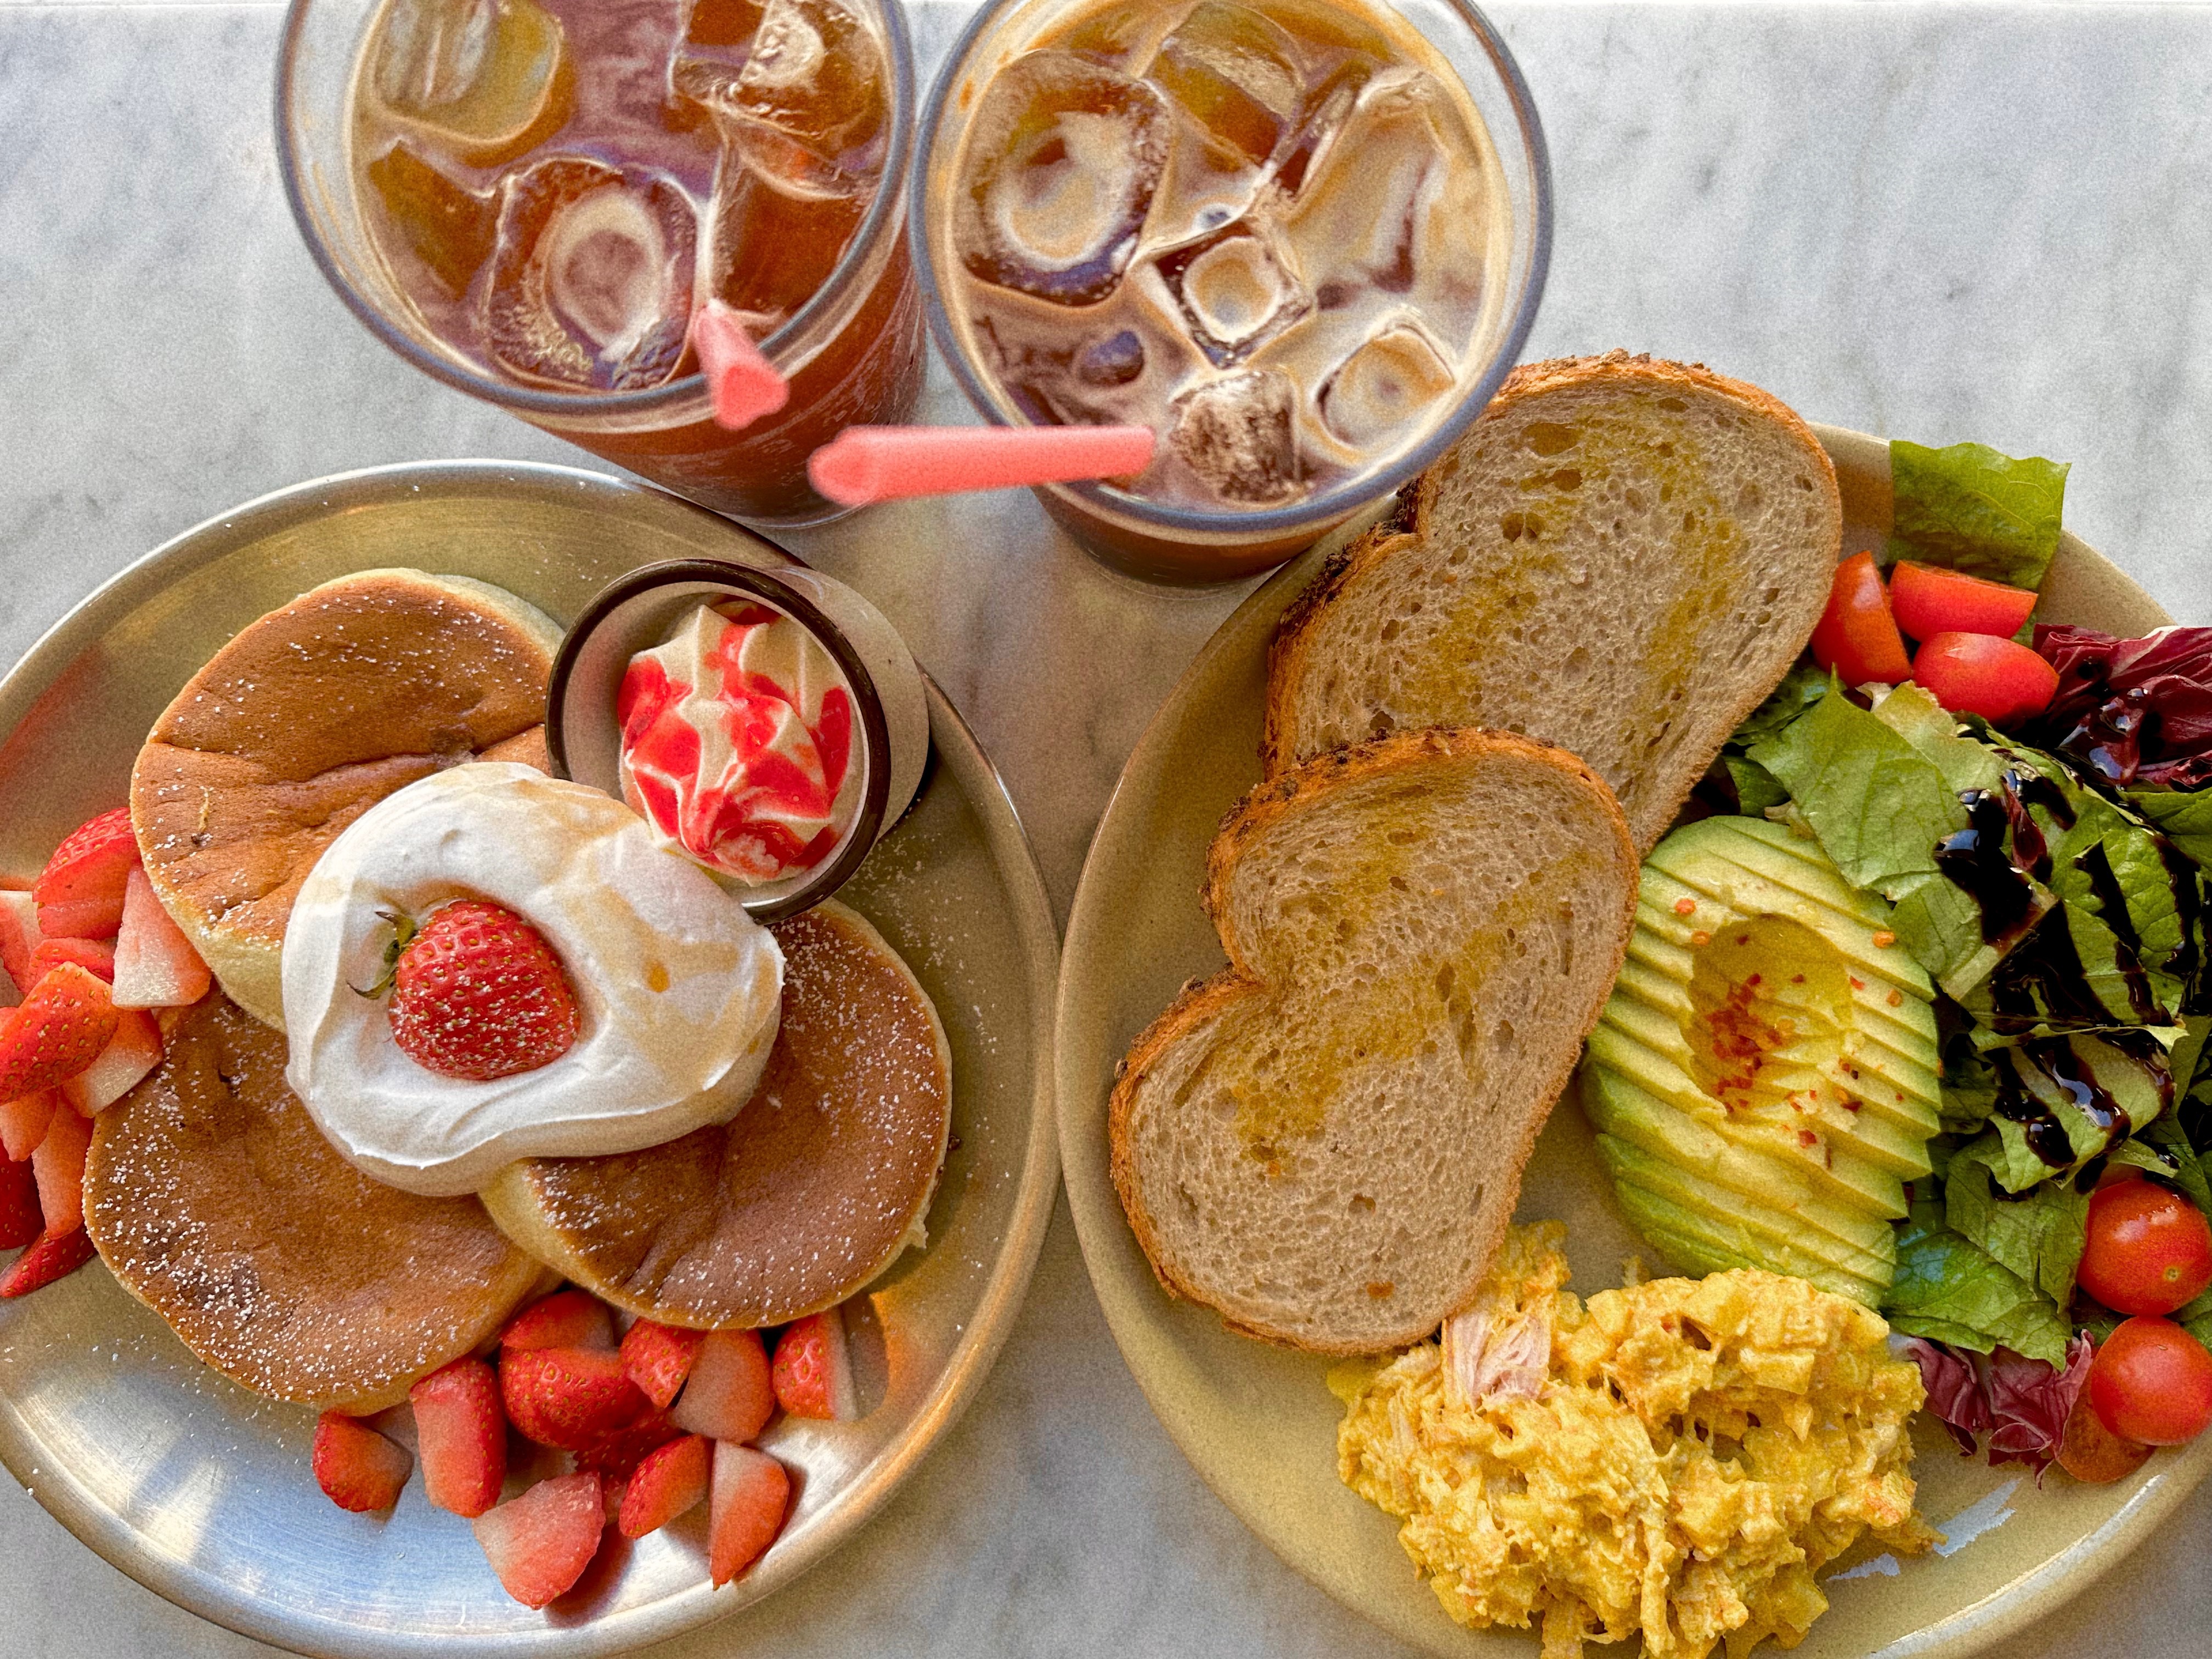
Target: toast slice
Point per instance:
(1622, 556)
(1324, 1142)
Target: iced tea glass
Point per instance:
(1302, 240)
(852, 352)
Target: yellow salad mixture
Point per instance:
(1677, 1459)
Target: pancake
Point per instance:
(803, 1197)
(305, 719)
(214, 1200)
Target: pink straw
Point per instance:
(742, 385)
(868, 463)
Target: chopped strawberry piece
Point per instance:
(567, 1397)
(669, 1483)
(20, 1220)
(752, 1490)
(812, 1372)
(131, 1053)
(729, 1395)
(59, 1166)
(58, 1030)
(56, 1255)
(616, 1454)
(566, 1319)
(19, 939)
(156, 966)
(23, 1123)
(358, 1469)
(89, 954)
(540, 1543)
(80, 892)
(462, 1436)
(659, 1358)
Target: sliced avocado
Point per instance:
(1764, 1078)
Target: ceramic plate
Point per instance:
(202, 1492)
(1258, 1423)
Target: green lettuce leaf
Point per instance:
(1930, 728)
(2164, 1150)
(1973, 509)
(2037, 1234)
(1948, 1289)
(1756, 789)
(2185, 816)
(1805, 684)
(2050, 1078)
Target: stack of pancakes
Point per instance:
(214, 1200)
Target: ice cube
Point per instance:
(1378, 394)
(489, 78)
(1237, 433)
(447, 226)
(1236, 73)
(1327, 107)
(772, 246)
(1068, 154)
(1237, 289)
(591, 279)
(809, 70)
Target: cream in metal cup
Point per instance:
(641, 611)
(852, 353)
(1183, 217)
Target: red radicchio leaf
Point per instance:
(2134, 711)
(1955, 1390)
(2029, 1400)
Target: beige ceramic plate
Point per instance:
(1257, 1421)
(202, 1492)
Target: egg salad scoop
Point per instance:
(678, 990)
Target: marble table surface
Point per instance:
(1935, 222)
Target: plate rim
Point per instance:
(1006, 842)
(1098, 1218)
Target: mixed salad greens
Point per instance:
(2047, 860)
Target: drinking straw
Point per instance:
(742, 385)
(864, 464)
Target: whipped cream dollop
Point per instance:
(738, 743)
(678, 990)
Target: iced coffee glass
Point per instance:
(1301, 240)
(527, 198)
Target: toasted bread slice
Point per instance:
(1622, 556)
(1324, 1142)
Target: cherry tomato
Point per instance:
(1857, 637)
(2151, 1382)
(2148, 1250)
(1928, 601)
(2091, 1452)
(2001, 680)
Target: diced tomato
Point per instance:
(2001, 680)
(1928, 601)
(1857, 635)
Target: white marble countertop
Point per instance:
(1935, 221)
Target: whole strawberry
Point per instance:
(477, 993)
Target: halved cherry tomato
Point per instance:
(2151, 1382)
(1857, 637)
(2001, 680)
(1928, 601)
(2092, 1453)
(2148, 1251)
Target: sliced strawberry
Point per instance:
(540, 1543)
(59, 1165)
(19, 939)
(89, 954)
(156, 966)
(813, 1374)
(462, 1436)
(615, 1455)
(567, 1397)
(358, 1469)
(666, 1485)
(23, 1121)
(659, 1358)
(729, 1395)
(20, 1220)
(751, 1491)
(58, 1030)
(131, 1053)
(56, 1255)
(80, 892)
(566, 1319)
